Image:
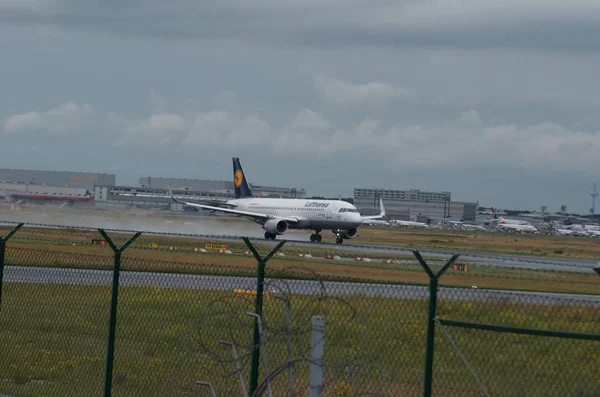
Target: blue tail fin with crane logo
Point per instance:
(242, 190)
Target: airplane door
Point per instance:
(329, 212)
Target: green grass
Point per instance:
(60, 238)
(186, 262)
(496, 242)
(53, 341)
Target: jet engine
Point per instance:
(348, 234)
(274, 226)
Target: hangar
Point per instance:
(414, 204)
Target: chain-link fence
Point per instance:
(183, 316)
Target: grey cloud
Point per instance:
(506, 165)
(157, 102)
(553, 25)
(467, 140)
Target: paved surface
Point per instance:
(197, 228)
(228, 283)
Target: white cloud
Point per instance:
(465, 141)
(64, 119)
(226, 129)
(303, 134)
(345, 93)
(158, 129)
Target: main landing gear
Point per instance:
(269, 236)
(316, 237)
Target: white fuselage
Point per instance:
(312, 214)
(375, 222)
(517, 227)
(513, 225)
(399, 223)
(505, 221)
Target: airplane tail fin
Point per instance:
(242, 190)
(381, 212)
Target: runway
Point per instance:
(228, 229)
(285, 286)
(482, 258)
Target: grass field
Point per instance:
(53, 337)
(497, 242)
(53, 341)
(538, 245)
(66, 247)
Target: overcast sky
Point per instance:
(496, 101)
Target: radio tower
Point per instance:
(594, 194)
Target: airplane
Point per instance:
(514, 225)
(518, 228)
(505, 221)
(375, 222)
(471, 227)
(399, 223)
(278, 215)
(578, 230)
(467, 226)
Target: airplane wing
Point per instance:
(381, 214)
(214, 203)
(253, 215)
(218, 203)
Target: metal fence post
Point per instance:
(260, 277)
(110, 349)
(316, 356)
(433, 287)
(3, 242)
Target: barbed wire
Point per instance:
(233, 310)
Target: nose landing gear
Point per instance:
(338, 235)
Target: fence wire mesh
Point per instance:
(184, 316)
(486, 362)
(505, 364)
(53, 323)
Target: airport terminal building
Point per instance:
(99, 190)
(414, 204)
(222, 188)
(51, 187)
(83, 180)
